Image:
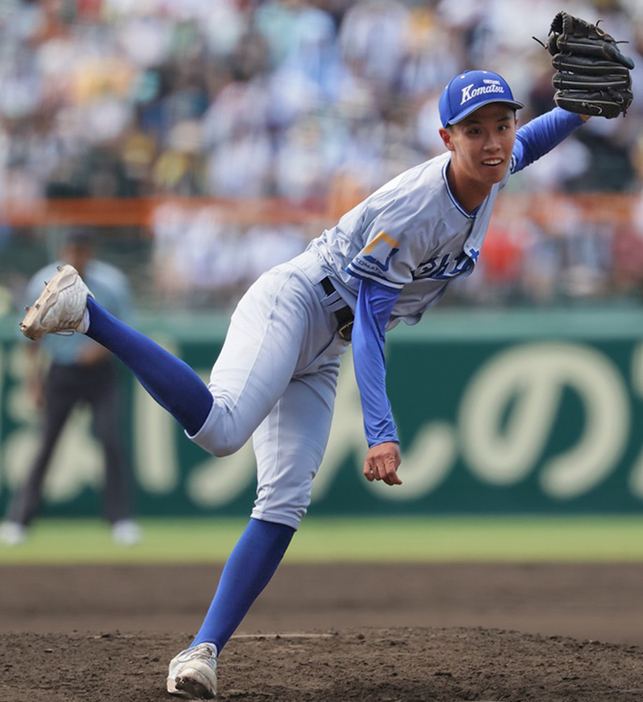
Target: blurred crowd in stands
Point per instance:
(301, 100)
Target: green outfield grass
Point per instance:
(575, 539)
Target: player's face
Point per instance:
(482, 144)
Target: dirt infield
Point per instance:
(331, 633)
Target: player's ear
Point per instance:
(445, 133)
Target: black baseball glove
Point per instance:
(593, 76)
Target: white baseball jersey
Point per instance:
(410, 235)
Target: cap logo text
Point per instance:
(469, 92)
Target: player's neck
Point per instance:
(469, 193)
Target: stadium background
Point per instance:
(206, 141)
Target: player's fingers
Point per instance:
(388, 480)
(382, 463)
(392, 464)
(379, 470)
(385, 471)
(392, 478)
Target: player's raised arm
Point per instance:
(541, 135)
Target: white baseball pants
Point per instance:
(275, 379)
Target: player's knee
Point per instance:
(284, 506)
(290, 517)
(219, 440)
(224, 446)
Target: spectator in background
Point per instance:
(306, 100)
(94, 98)
(80, 371)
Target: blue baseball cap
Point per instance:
(470, 90)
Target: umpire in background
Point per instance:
(80, 371)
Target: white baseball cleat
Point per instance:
(60, 307)
(193, 672)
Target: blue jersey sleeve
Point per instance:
(375, 302)
(541, 135)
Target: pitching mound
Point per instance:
(410, 665)
(369, 633)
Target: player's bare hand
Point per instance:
(382, 462)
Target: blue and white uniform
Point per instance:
(412, 235)
(390, 259)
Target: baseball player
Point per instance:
(387, 260)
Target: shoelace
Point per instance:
(204, 653)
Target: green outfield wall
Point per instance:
(498, 412)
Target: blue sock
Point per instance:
(170, 381)
(252, 563)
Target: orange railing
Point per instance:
(543, 208)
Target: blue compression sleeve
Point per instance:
(542, 134)
(171, 382)
(374, 306)
(252, 563)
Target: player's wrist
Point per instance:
(378, 442)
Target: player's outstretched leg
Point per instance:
(289, 446)
(249, 569)
(66, 305)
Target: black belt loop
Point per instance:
(329, 288)
(344, 316)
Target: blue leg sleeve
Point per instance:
(252, 563)
(171, 382)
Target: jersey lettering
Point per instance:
(444, 267)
